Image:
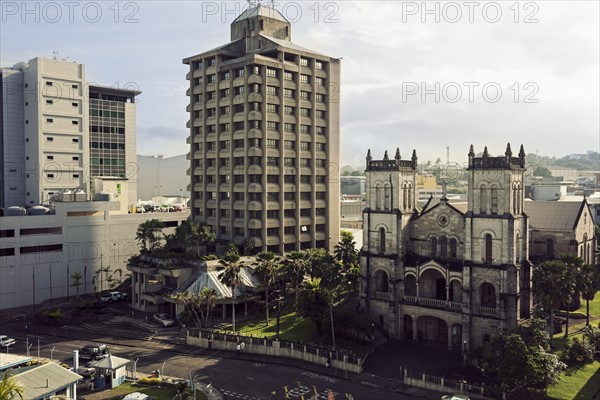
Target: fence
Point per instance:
(341, 359)
(441, 384)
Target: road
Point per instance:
(237, 378)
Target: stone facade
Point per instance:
(449, 273)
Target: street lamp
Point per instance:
(52, 353)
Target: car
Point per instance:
(163, 319)
(93, 351)
(455, 397)
(138, 396)
(113, 296)
(6, 341)
(86, 372)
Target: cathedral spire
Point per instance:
(521, 152)
(508, 152)
(369, 157)
(485, 152)
(414, 156)
(471, 151)
(385, 156)
(397, 153)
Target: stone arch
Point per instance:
(455, 290)
(387, 196)
(381, 235)
(433, 249)
(443, 244)
(433, 329)
(488, 247)
(410, 285)
(432, 284)
(487, 295)
(408, 327)
(453, 247)
(381, 281)
(482, 198)
(378, 195)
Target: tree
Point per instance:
(10, 388)
(551, 286)
(346, 253)
(313, 303)
(574, 265)
(199, 305)
(294, 269)
(148, 234)
(590, 283)
(230, 275)
(515, 366)
(267, 270)
(76, 281)
(201, 234)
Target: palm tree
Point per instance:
(10, 388)
(148, 234)
(76, 281)
(200, 235)
(294, 268)
(551, 286)
(267, 270)
(574, 265)
(347, 255)
(313, 303)
(589, 284)
(230, 275)
(209, 297)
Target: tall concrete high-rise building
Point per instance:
(58, 132)
(264, 137)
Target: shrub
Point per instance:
(210, 257)
(580, 352)
(592, 335)
(150, 381)
(55, 314)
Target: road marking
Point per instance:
(238, 395)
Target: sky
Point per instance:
(415, 75)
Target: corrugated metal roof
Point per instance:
(211, 280)
(34, 380)
(10, 360)
(293, 46)
(110, 362)
(553, 215)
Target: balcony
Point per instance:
(488, 311)
(432, 302)
(383, 295)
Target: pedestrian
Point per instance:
(238, 348)
(26, 327)
(243, 345)
(210, 343)
(327, 362)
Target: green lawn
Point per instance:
(594, 306)
(127, 387)
(581, 384)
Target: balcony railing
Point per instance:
(438, 303)
(383, 295)
(411, 299)
(455, 306)
(488, 311)
(432, 302)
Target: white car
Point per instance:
(6, 341)
(163, 319)
(113, 296)
(455, 397)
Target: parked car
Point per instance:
(113, 296)
(163, 319)
(93, 351)
(86, 372)
(138, 396)
(6, 341)
(455, 397)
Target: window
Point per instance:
(256, 70)
(211, 95)
(239, 73)
(289, 179)
(273, 196)
(320, 211)
(75, 175)
(224, 127)
(272, 143)
(549, 248)
(488, 295)
(50, 157)
(272, 126)
(289, 162)
(305, 162)
(49, 139)
(288, 76)
(274, 161)
(287, 110)
(304, 95)
(289, 127)
(318, 65)
(75, 140)
(320, 195)
(482, 199)
(304, 195)
(211, 78)
(304, 78)
(433, 247)
(238, 126)
(305, 212)
(272, 178)
(320, 130)
(238, 91)
(271, 73)
(321, 164)
(272, 214)
(225, 144)
(320, 81)
(488, 248)
(289, 93)
(273, 108)
(224, 93)
(49, 120)
(212, 62)
(289, 145)
(75, 104)
(494, 195)
(443, 247)
(453, 248)
(305, 112)
(49, 101)
(238, 143)
(304, 62)
(305, 129)
(225, 76)
(305, 179)
(320, 98)
(239, 108)
(321, 146)
(224, 110)
(320, 114)
(238, 178)
(304, 145)
(289, 213)
(382, 240)
(75, 158)
(289, 230)
(272, 91)
(273, 231)
(49, 83)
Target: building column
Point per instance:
(224, 310)
(418, 294)
(447, 294)
(414, 327)
(245, 309)
(449, 336)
